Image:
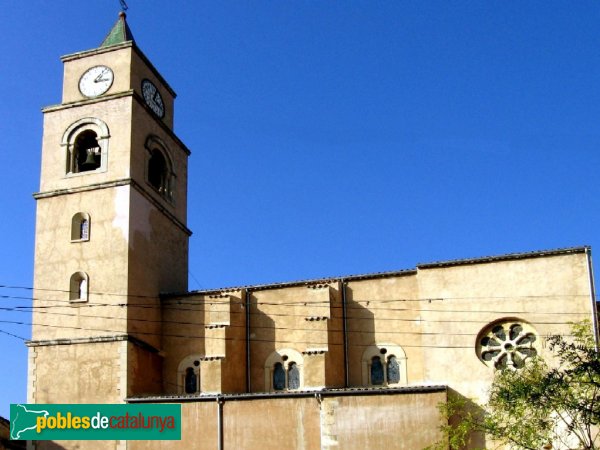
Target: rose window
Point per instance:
(507, 345)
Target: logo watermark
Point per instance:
(142, 421)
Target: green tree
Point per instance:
(538, 406)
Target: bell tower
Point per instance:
(111, 230)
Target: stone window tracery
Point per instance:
(507, 344)
(284, 370)
(384, 365)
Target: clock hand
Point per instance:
(99, 77)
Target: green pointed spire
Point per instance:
(119, 33)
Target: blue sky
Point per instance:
(331, 138)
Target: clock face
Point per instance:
(96, 81)
(152, 98)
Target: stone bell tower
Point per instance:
(111, 230)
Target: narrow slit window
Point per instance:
(80, 227)
(79, 287)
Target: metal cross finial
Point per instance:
(124, 6)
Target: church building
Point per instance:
(352, 362)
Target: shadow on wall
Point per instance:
(476, 439)
(262, 344)
(361, 334)
(5, 442)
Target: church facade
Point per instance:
(349, 362)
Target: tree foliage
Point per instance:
(538, 406)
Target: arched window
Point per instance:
(376, 371)
(80, 227)
(159, 172)
(86, 143)
(393, 370)
(191, 381)
(384, 365)
(293, 376)
(283, 370)
(278, 377)
(188, 375)
(79, 287)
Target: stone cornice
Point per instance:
(111, 184)
(129, 93)
(92, 340)
(112, 48)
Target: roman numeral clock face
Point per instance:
(152, 98)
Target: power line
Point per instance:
(418, 320)
(277, 328)
(306, 303)
(194, 336)
(224, 292)
(13, 335)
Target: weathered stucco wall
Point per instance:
(78, 373)
(429, 318)
(271, 424)
(545, 292)
(407, 421)
(57, 258)
(402, 420)
(198, 430)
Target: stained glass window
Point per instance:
(293, 376)
(507, 345)
(191, 381)
(376, 371)
(393, 370)
(278, 377)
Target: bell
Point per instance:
(90, 161)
